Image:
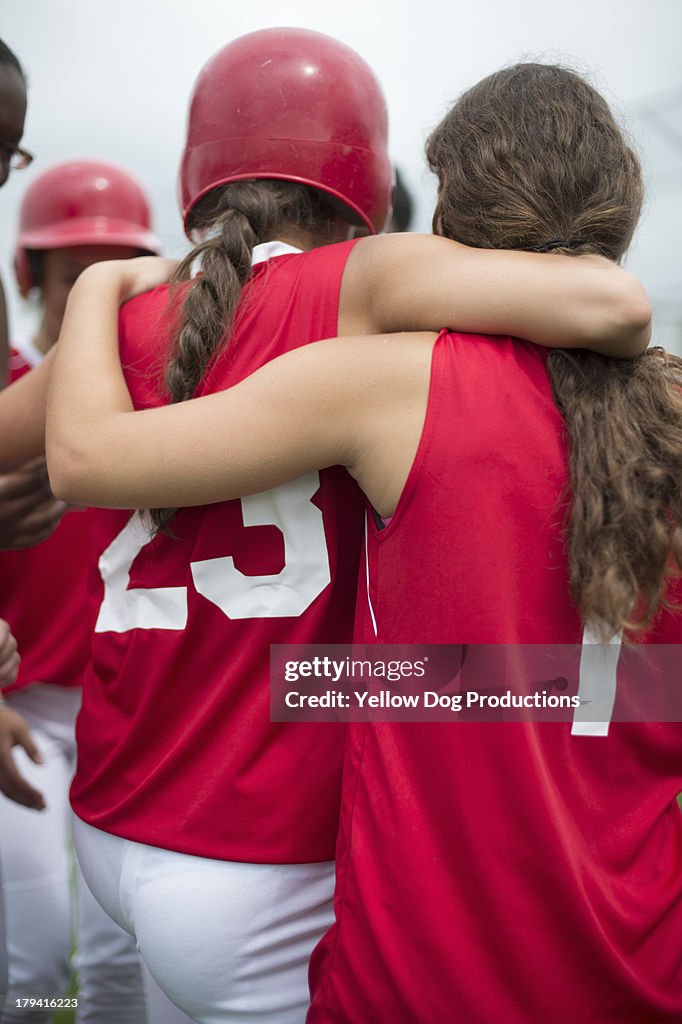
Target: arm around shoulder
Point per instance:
(426, 282)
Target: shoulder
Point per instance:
(323, 261)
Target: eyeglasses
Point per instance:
(14, 157)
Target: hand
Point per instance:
(131, 277)
(15, 732)
(144, 273)
(29, 513)
(9, 656)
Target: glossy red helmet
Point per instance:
(294, 105)
(81, 202)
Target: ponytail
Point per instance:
(624, 535)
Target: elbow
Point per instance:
(631, 318)
(68, 470)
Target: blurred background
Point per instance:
(112, 80)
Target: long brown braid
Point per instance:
(236, 217)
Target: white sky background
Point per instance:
(112, 78)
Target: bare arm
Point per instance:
(22, 416)
(333, 397)
(100, 452)
(424, 282)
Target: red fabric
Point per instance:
(503, 872)
(43, 597)
(176, 747)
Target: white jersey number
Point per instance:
(305, 573)
(597, 685)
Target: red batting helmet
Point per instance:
(294, 105)
(82, 202)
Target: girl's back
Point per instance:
(190, 760)
(533, 872)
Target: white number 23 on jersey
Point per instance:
(304, 575)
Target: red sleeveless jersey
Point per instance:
(497, 872)
(176, 747)
(43, 591)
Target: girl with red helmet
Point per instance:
(510, 871)
(220, 839)
(72, 215)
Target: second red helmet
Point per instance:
(82, 202)
(294, 105)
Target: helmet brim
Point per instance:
(90, 231)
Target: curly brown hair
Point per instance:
(532, 158)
